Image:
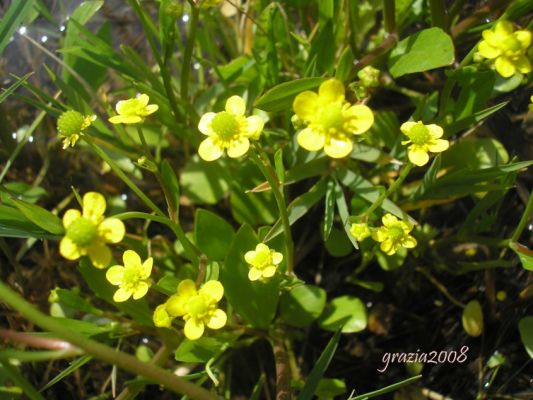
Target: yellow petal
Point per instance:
(407, 126)
(254, 274)
(123, 106)
(359, 119)
(68, 249)
(122, 294)
(262, 248)
(193, 329)
(417, 155)
(213, 289)
(150, 109)
(147, 268)
(387, 247)
(218, 319)
(238, 147)
(125, 119)
(490, 37)
(505, 67)
(209, 151)
(235, 105)
(115, 274)
(140, 290)
(269, 272)
(305, 105)
(100, 255)
(331, 91)
(175, 305)
(93, 206)
(338, 148)
(142, 100)
(131, 259)
(503, 28)
(435, 130)
(161, 318)
(524, 37)
(380, 234)
(523, 64)
(409, 242)
(112, 230)
(277, 258)
(70, 216)
(204, 125)
(311, 140)
(487, 51)
(187, 288)
(254, 127)
(439, 145)
(249, 256)
(388, 220)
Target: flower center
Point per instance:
(225, 125)
(419, 134)
(82, 232)
(70, 123)
(511, 44)
(131, 276)
(198, 307)
(331, 117)
(396, 232)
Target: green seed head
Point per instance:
(225, 125)
(396, 232)
(70, 123)
(82, 232)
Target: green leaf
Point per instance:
(280, 97)
(525, 327)
(15, 224)
(171, 186)
(346, 312)
(390, 263)
(74, 365)
(427, 49)
(19, 379)
(40, 217)
(478, 116)
(339, 242)
(302, 305)
(72, 299)
(256, 302)
(21, 191)
(11, 20)
(524, 254)
(345, 65)
(213, 234)
(329, 209)
(319, 369)
(344, 214)
(387, 389)
(330, 388)
(201, 350)
(6, 92)
(203, 182)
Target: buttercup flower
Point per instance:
(88, 232)
(132, 278)
(197, 307)
(263, 262)
(71, 125)
(424, 138)
(360, 231)
(507, 47)
(133, 111)
(228, 130)
(393, 235)
(330, 120)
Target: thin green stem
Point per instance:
(392, 189)
(187, 57)
(438, 13)
(525, 217)
(265, 166)
(101, 351)
(389, 16)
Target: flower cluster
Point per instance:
(423, 139)
(71, 124)
(329, 120)
(228, 130)
(392, 235)
(198, 308)
(263, 262)
(88, 232)
(507, 47)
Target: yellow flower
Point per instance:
(197, 307)
(530, 106)
(330, 120)
(88, 232)
(71, 125)
(132, 278)
(360, 231)
(424, 138)
(263, 262)
(393, 235)
(507, 47)
(228, 130)
(133, 111)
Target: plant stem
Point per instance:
(525, 217)
(389, 16)
(146, 149)
(187, 56)
(438, 13)
(392, 188)
(283, 373)
(103, 352)
(265, 166)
